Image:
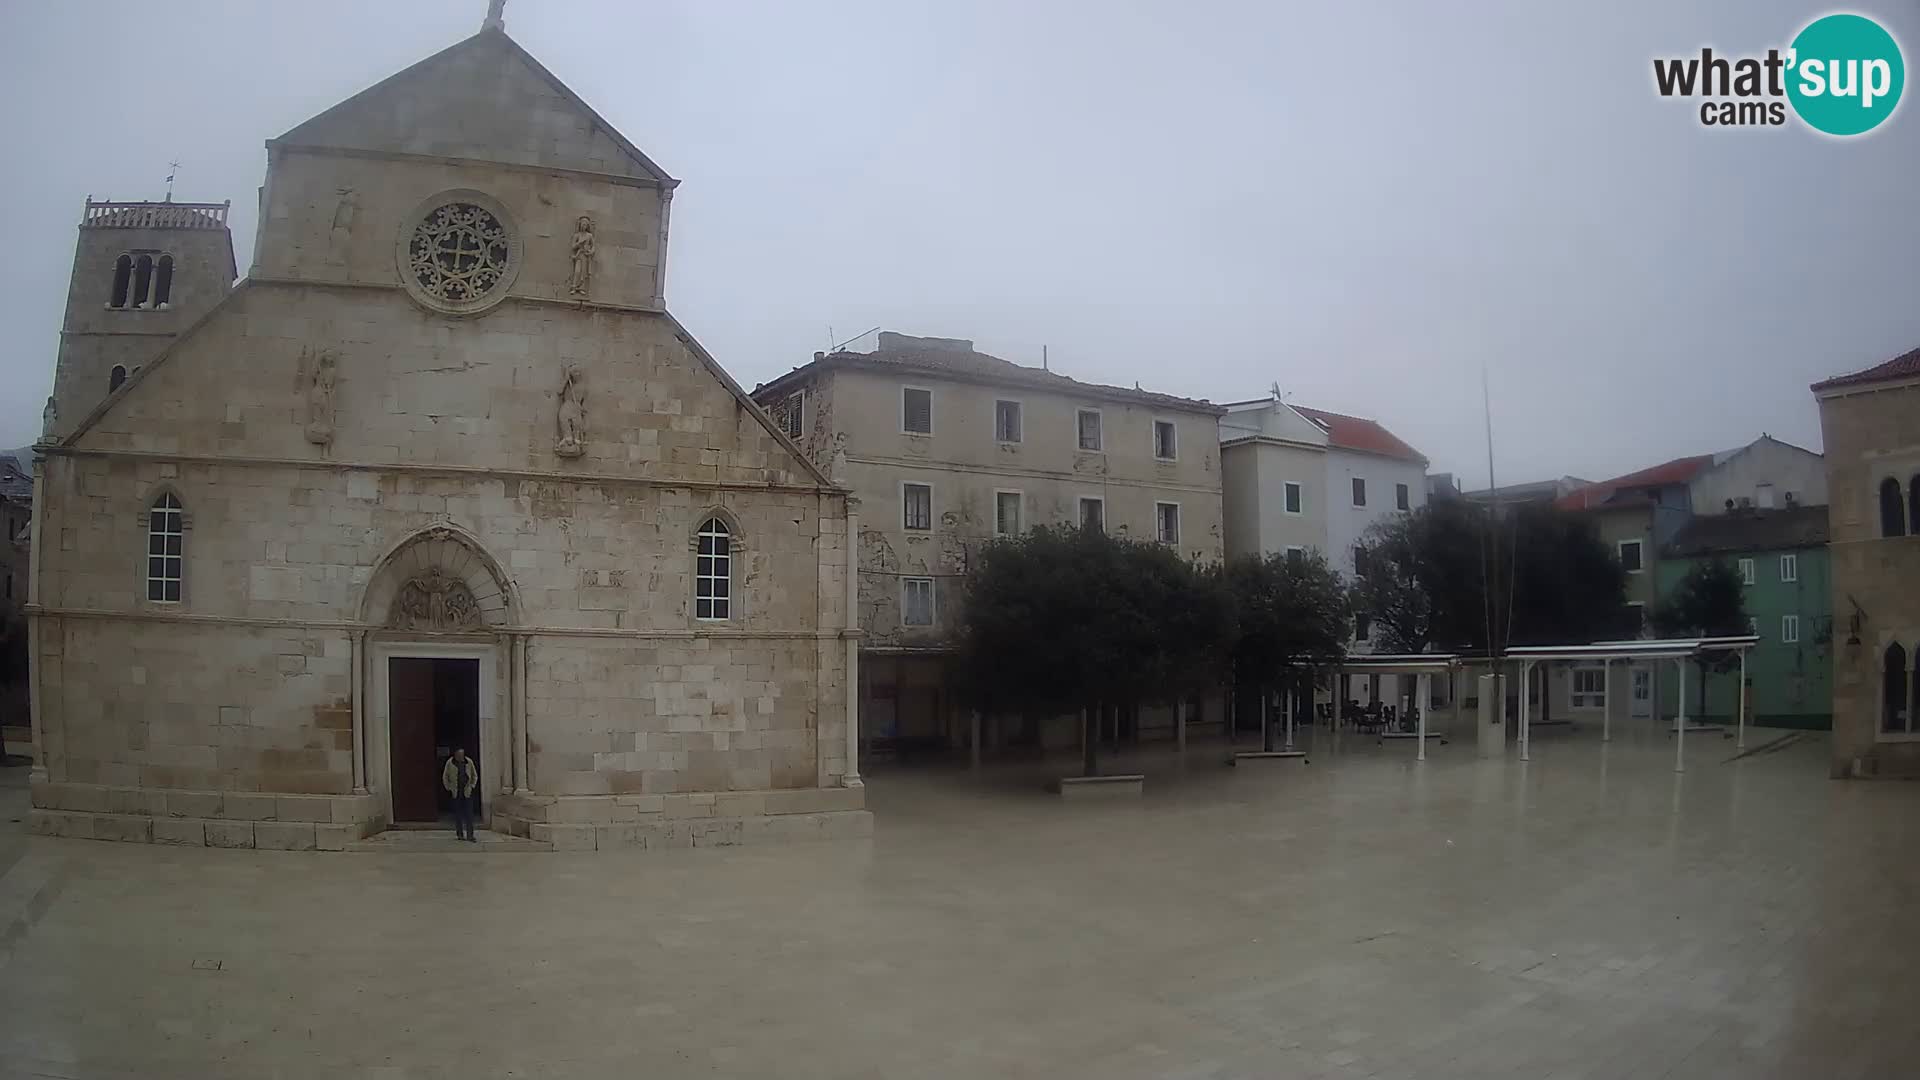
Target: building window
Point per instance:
(166, 535)
(163, 283)
(1359, 560)
(1763, 496)
(142, 281)
(793, 420)
(1789, 629)
(1362, 625)
(1893, 516)
(1589, 688)
(916, 411)
(1637, 616)
(1789, 568)
(1402, 498)
(1894, 712)
(1746, 571)
(1006, 421)
(1290, 494)
(918, 501)
(1006, 513)
(1088, 423)
(1167, 522)
(1165, 443)
(115, 377)
(122, 281)
(1296, 556)
(1359, 491)
(713, 571)
(916, 601)
(1630, 556)
(1753, 625)
(1093, 513)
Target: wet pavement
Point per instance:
(1590, 914)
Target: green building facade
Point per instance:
(1782, 555)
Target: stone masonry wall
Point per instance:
(1869, 436)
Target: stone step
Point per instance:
(415, 841)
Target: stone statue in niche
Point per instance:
(49, 418)
(319, 394)
(837, 464)
(343, 214)
(573, 415)
(582, 275)
(435, 603)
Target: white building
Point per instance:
(1296, 478)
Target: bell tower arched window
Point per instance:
(122, 281)
(163, 282)
(142, 280)
(1893, 516)
(115, 377)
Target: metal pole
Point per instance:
(1289, 745)
(1606, 701)
(1265, 743)
(1422, 686)
(1526, 713)
(1740, 743)
(1339, 697)
(976, 739)
(1680, 724)
(1180, 724)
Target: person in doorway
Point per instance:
(460, 778)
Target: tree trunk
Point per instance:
(1090, 737)
(1266, 718)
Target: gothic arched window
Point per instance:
(122, 280)
(1893, 516)
(142, 280)
(1913, 506)
(115, 377)
(166, 534)
(713, 571)
(163, 282)
(1894, 715)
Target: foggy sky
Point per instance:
(1362, 202)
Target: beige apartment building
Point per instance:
(442, 472)
(946, 447)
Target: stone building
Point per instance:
(1870, 422)
(946, 447)
(441, 471)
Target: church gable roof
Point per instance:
(483, 99)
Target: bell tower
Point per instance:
(142, 273)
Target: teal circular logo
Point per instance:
(1845, 74)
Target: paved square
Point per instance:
(1590, 914)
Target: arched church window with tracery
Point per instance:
(713, 571)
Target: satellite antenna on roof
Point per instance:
(1275, 387)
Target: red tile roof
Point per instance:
(1677, 471)
(1359, 433)
(1904, 366)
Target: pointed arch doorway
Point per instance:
(438, 667)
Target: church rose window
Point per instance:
(459, 253)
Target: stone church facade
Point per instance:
(442, 469)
